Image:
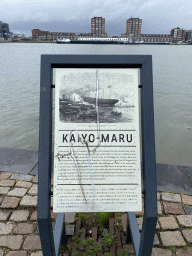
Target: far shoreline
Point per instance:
(54, 42)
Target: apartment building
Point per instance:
(4, 30)
(177, 34)
(98, 27)
(40, 35)
(155, 38)
(188, 35)
(133, 27)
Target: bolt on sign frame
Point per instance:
(51, 241)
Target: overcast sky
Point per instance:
(158, 16)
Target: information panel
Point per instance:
(97, 163)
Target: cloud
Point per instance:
(158, 16)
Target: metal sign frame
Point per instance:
(51, 241)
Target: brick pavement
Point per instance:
(19, 229)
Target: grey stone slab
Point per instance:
(21, 177)
(171, 197)
(188, 209)
(156, 240)
(69, 230)
(35, 170)
(173, 178)
(17, 160)
(189, 170)
(70, 217)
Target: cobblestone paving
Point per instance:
(19, 234)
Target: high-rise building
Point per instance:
(98, 27)
(177, 34)
(4, 30)
(133, 27)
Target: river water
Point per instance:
(172, 81)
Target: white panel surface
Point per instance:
(97, 141)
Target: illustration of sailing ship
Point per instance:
(101, 101)
(89, 105)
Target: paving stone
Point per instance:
(70, 217)
(187, 199)
(182, 252)
(7, 183)
(173, 208)
(188, 209)
(19, 215)
(118, 249)
(73, 248)
(23, 184)
(156, 240)
(82, 237)
(34, 216)
(10, 202)
(128, 247)
(188, 235)
(35, 179)
(37, 253)
(168, 222)
(1, 252)
(112, 250)
(17, 253)
(140, 223)
(158, 196)
(52, 181)
(51, 201)
(77, 226)
(6, 228)
(94, 233)
(33, 190)
(12, 242)
(5, 175)
(159, 208)
(21, 177)
(69, 230)
(4, 190)
(117, 233)
(124, 221)
(123, 239)
(185, 220)
(29, 201)
(24, 228)
(17, 192)
(171, 197)
(32, 243)
(4, 214)
(1, 199)
(111, 225)
(115, 217)
(172, 238)
(161, 252)
(53, 215)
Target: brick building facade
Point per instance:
(133, 27)
(98, 27)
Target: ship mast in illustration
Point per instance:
(104, 101)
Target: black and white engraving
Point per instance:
(104, 98)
